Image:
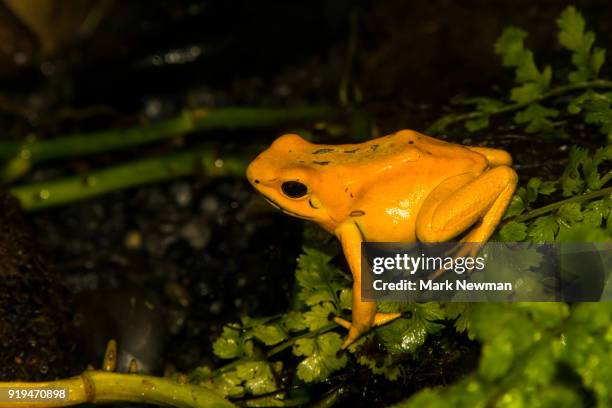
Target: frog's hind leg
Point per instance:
(466, 201)
(357, 329)
(495, 157)
(379, 319)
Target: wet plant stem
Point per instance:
(204, 160)
(289, 342)
(188, 121)
(558, 91)
(106, 387)
(556, 205)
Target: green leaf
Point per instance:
(321, 356)
(526, 92)
(584, 233)
(406, 335)
(571, 25)
(513, 232)
(570, 213)
(293, 321)
(483, 104)
(536, 117)
(441, 124)
(516, 207)
(461, 312)
(318, 315)
(544, 229)
(533, 189)
(479, 123)
(572, 35)
(269, 334)
(532, 82)
(228, 344)
(510, 46)
(346, 299)
(595, 212)
(598, 57)
(548, 187)
(571, 180)
(252, 377)
(496, 358)
(598, 108)
(319, 280)
(257, 377)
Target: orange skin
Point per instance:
(404, 187)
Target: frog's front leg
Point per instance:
(364, 314)
(464, 201)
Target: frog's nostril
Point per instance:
(256, 181)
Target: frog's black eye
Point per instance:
(294, 189)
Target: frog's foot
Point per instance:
(358, 330)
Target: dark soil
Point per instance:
(34, 315)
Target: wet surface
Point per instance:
(199, 249)
(34, 313)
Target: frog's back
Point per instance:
(401, 148)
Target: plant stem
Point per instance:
(106, 387)
(188, 121)
(551, 207)
(45, 194)
(560, 90)
(289, 342)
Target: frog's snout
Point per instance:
(258, 174)
(250, 176)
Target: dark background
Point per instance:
(207, 253)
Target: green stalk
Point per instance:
(45, 194)
(188, 121)
(556, 205)
(558, 91)
(289, 342)
(106, 387)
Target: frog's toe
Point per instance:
(353, 335)
(343, 322)
(384, 318)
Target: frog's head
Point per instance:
(288, 181)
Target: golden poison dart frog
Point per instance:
(404, 187)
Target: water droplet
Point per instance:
(218, 163)
(44, 194)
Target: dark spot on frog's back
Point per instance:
(323, 151)
(357, 213)
(374, 147)
(351, 151)
(321, 163)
